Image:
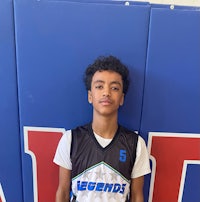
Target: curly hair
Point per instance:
(109, 63)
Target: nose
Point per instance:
(106, 92)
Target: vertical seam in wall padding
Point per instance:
(17, 90)
(145, 70)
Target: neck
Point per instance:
(105, 127)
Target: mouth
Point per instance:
(105, 102)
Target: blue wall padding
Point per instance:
(172, 79)
(55, 43)
(10, 161)
(192, 184)
(171, 94)
(45, 48)
(57, 40)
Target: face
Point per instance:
(106, 94)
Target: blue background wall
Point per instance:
(45, 47)
(55, 61)
(10, 155)
(171, 93)
(172, 79)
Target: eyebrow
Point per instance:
(112, 82)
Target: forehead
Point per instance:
(107, 76)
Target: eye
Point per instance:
(114, 88)
(98, 86)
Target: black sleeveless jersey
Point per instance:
(98, 171)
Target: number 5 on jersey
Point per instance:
(122, 155)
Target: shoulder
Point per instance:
(141, 142)
(82, 129)
(66, 138)
(142, 151)
(127, 131)
(62, 155)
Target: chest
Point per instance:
(87, 153)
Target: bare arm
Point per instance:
(137, 189)
(63, 191)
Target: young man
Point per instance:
(102, 161)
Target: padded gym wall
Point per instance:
(10, 156)
(171, 103)
(55, 41)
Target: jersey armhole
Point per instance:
(72, 142)
(135, 146)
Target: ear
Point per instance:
(89, 96)
(122, 100)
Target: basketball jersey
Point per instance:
(102, 174)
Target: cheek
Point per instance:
(92, 97)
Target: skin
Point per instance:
(62, 194)
(137, 189)
(106, 96)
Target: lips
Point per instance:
(105, 101)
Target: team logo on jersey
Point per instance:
(100, 181)
(101, 186)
